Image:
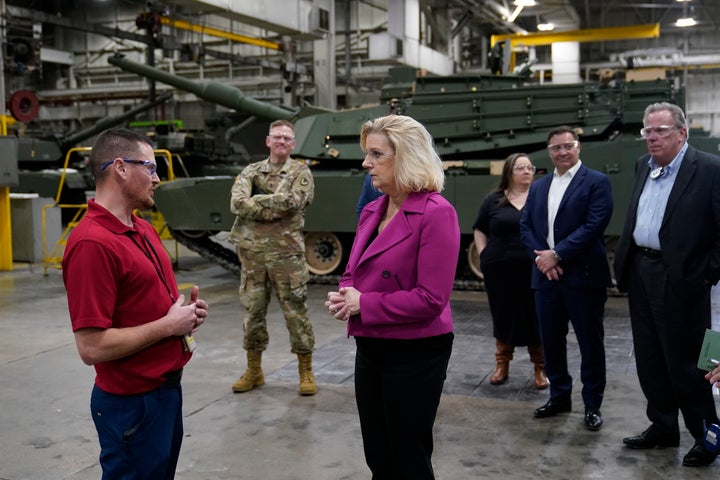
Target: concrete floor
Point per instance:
(482, 431)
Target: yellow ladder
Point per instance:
(53, 259)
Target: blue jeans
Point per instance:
(140, 435)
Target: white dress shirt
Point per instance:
(558, 186)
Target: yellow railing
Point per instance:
(53, 258)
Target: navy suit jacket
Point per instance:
(579, 230)
(690, 228)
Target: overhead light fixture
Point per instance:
(545, 27)
(519, 5)
(685, 22)
(515, 14)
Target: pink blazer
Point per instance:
(406, 274)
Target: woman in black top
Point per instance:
(506, 269)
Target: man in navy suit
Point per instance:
(667, 259)
(563, 226)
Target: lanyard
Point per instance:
(157, 266)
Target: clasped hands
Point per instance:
(547, 264)
(343, 303)
(186, 319)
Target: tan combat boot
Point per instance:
(307, 379)
(253, 376)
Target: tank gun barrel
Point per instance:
(218, 93)
(105, 123)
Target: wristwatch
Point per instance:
(556, 256)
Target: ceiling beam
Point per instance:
(42, 17)
(651, 30)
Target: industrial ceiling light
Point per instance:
(685, 22)
(545, 27)
(519, 5)
(515, 14)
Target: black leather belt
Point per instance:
(649, 252)
(172, 379)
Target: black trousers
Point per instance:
(585, 309)
(398, 384)
(668, 330)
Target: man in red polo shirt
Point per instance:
(130, 321)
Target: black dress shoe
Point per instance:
(650, 439)
(593, 419)
(552, 408)
(698, 456)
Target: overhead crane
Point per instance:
(628, 32)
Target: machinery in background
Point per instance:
(476, 122)
(40, 160)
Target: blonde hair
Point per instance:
(417, 165)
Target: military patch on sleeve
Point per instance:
(304, 181)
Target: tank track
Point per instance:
(209, 249)
(220, 255)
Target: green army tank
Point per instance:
(40, 160)
(476, 122)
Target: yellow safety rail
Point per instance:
(53, 258)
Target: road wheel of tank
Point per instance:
(473, 260)
(323, 252)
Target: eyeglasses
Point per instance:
(377, 154)
(152, 170)
(661, 131)
(284, 138)
(569, 146)
(520, 168)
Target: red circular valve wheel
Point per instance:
(24, 106)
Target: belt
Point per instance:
(172, 379)
(649, 252)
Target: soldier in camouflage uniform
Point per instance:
(269, 199)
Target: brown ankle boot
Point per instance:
(538, 358)
(503, 355)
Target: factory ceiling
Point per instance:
(485, 16)
(471, 21)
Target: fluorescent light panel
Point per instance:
(685, 22)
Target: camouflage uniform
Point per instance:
(270, 201)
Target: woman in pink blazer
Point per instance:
(395, 296)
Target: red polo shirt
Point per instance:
(118, 277)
